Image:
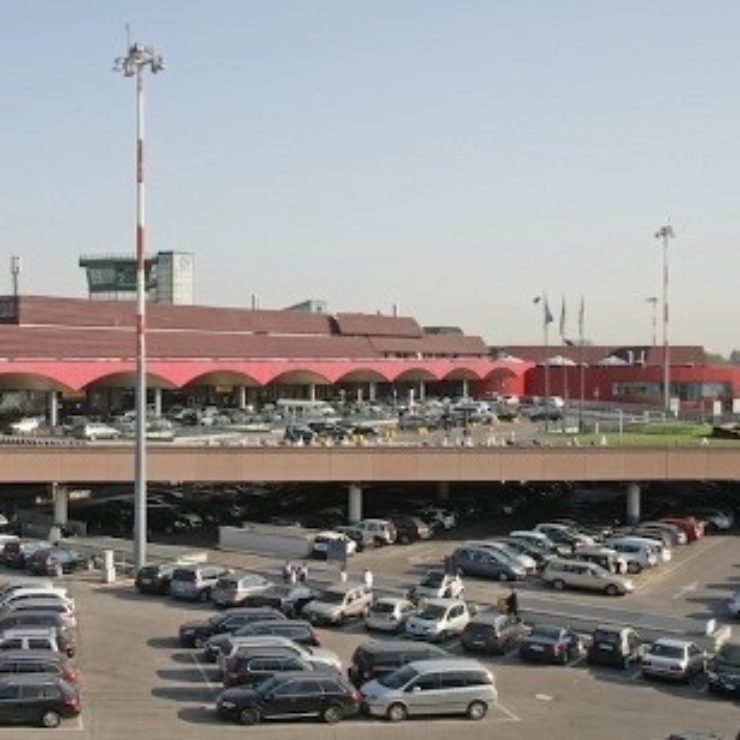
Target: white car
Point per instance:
(26, 425)
(437, 584)
(438, 619)
(94, 430)
(440, 517)
(388, 614)
(733, 605)
(322, 542)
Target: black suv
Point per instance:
(492, 633)
(301, 632)
(195, 634)
(324, 695)
(723, 670)
(155, 579)
(410, 528)
(252, 668)
(614, 646)
(37, 699)
(380, 657)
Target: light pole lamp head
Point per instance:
(665, 232)
(139, 57)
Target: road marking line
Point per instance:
(543, 697)
(685, 590)
(689, 558)
(578, 660)
(636, 674)
(513, 717)
(209, 683)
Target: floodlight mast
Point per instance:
(665, 234)
(138, 59)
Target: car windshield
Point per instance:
(331, 597)
(181, 574)
(398, 678)
(432, 579)
(730, 653)
(433, 612)
(610, 637)
(666, 651)
(383, 607)
(545, 633)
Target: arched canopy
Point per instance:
(31, 382)
(462, 373)
(300, 377)
(413, 374)
(223, 378)
(363, 375)
(127, 379)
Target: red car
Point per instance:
(693, 527)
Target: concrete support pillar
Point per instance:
(359, 394)
(372, 392)
(465, 387)
(422, 390)
(53, 408)
(241, 397)
(311, 392)
(157, 402)
(633, 503)
(354, 505)
(411, 399)
(443, 490)
(60, 497)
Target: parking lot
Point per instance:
(137, 681)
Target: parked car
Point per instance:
(490, 632)
(23, 662)
(692, 527)
(439, 517)
(25, 593)
(361, 537)
(324, 695)
(502, 549)
(716, 520)
(606, 557)
(94, 430)
(38, 638)
(16, 552)
(523, 547)
(13, 618)
(297, 630)
(322, 542)
(378, 658)
(339, 602)
(286, 598)
(233, 589)
(381, 530)
(436, 584)
(677, 534)
(723, 670)
(450, 686)
(55, 561)
(475, 561)
(195, 634)
(438, 619)
(155, 579)
(637, 552)
(388, 614)
(254, 667)
(27, 425)
(410, 529)
(195, 582)
(236, 646)
(541, 541)
(551, 644)
(679, 660)
(733, 605)
(614, 646)
(562, 534)
(561, 573)
(37, 699)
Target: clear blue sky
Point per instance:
(455, 157)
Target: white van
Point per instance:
(638, 553)
(382, 531)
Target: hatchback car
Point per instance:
(155, 579)
(490, 632)
(324, 695)
(551, 644)
(55, 561)
(23, 662)
(236, 646)
(380, 657)
(195, 634)
(476, 561)
(37, 699)
(338, 603)
(195, 582)
(678, 660)
(723, 670)
(47, 619)
(388, 614)
(299, 631)
(16, 554)
(254, 667)
(233, 589)
(614, 646)
(438, 619)
(436, 584)
(450, 686)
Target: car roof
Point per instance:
(447, 664)
(394, 646)
(613, 628)
(672, 642)
(29, 632)
(443, 602)
(32, 655)
(25, 678)
(392, 600)
(342, 588)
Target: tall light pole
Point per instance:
(140, 57)
(653, 301)
(665, 234)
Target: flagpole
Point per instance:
(564, 366)
(581, 367)
(546, 322)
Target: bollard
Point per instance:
(109, 568)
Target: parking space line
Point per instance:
(209, 683)
(513, 717)
(577, 661)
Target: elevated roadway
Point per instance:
(114, 463)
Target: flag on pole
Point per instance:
(581, 318)
(562, 319)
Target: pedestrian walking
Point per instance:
(302, 572)
(367, 578)
(293, 577)
(287, 570)
(343, 575)
(512, 604)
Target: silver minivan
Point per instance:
(560, 573)
(447, 686)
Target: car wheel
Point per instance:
(477, 710)
(558, 584)
(249, 716)
(204, 595)
(404, 539)
(634, 568)
(611, 590)
(503, 576)
(333, 714)
(199, 642)
(50, 718)
(396, 713)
